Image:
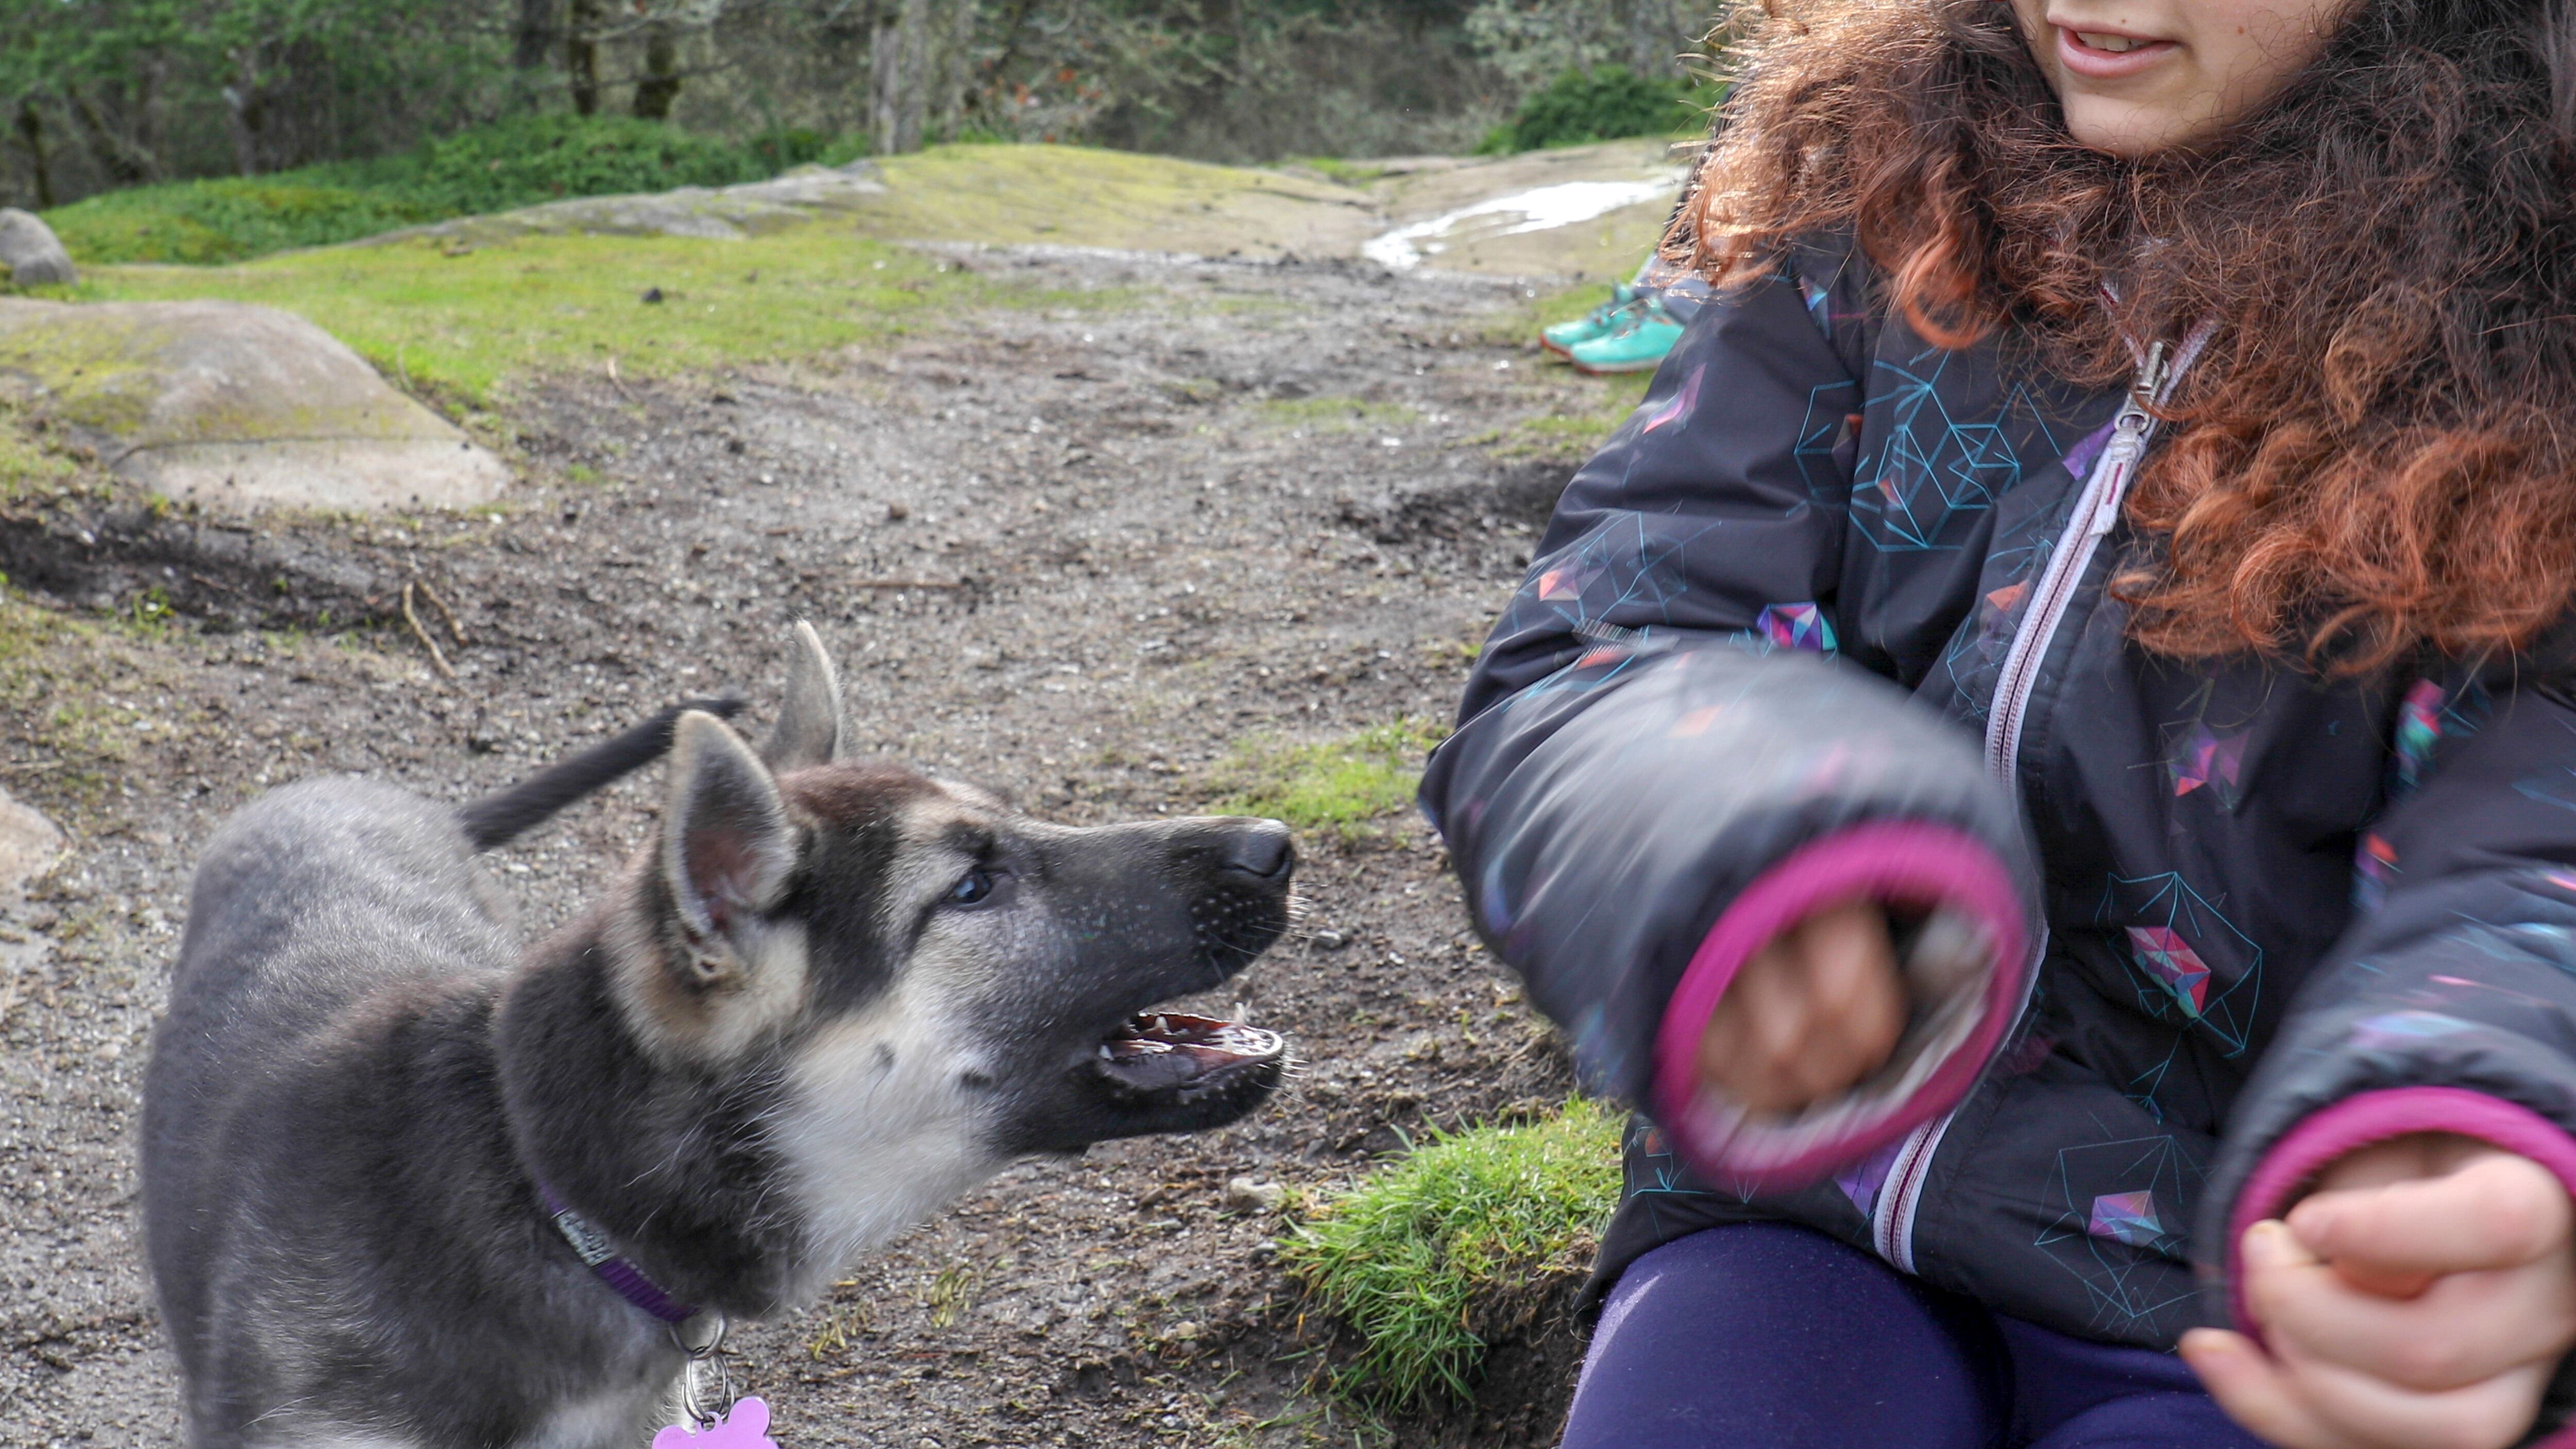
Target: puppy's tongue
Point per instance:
(1158, 1049)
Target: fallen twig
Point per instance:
(618, 382)
(412, 618)
(455, 630)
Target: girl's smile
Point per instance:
(2104, 54)
(2134, 77)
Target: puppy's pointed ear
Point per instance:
(811, 729)
(728, 848)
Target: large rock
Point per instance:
(28, 844)
(30, 254)
(231, 404)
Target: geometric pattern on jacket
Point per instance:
(2265, 890)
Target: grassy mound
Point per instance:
(453, 322)
(492, 168)
(1417, 1257)
(453, 316)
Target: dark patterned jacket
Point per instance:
(2248, 917)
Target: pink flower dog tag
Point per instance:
(744, 1426)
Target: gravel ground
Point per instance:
(1075, 555)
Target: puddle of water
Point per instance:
(1540, 209)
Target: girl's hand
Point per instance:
(2420, 1298)
(1811, 1015)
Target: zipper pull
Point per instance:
(2129, 430)
(2151, 378)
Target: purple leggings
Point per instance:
(1767, 1336)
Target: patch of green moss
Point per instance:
(1571, 435)
(65, 692)
(1339, 786)
(28, 462)
(1335, 414)
(1412, 1256)
(1521, 321)
(1347, 173)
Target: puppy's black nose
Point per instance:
(1261, 849)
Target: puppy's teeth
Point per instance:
(1106, 1054)
(1162, 1026)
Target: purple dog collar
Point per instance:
(593, 1248)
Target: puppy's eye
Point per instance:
(970, 888)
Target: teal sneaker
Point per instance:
(1561, 338)
(1637, 342)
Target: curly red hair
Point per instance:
(2374, 459)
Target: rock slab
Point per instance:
(237, 406)
(30, 254)
(725, 213)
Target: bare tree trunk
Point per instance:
(31, 131)
(533, 34)
(581, 55)
(247, 106)
(956, 69)
(661, 82)
(896, 76)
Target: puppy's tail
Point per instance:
(505, 815)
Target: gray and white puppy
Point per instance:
(827, 998)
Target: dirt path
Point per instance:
(1229, 502)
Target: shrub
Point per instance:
(541, 158)
(1406, 1257)
(491, 168)
(1605, 103)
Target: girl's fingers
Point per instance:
(2363, 1410)
(2499, 1211)
(1810, 1015)
(1862, 995)
(2309, 1406)
(2467, 1328)
(2253, 1390)
(2273, 1259)
(1753, 1041)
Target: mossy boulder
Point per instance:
(238, 406)
(30, 255)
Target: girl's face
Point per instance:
(2140, 76)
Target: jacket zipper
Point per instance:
(2097, 511)
(1891, 1219)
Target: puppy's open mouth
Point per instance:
(1157, 1052)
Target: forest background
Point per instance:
(97, 95)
